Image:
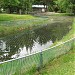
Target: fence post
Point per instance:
(40, 61)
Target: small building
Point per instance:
(38, 8)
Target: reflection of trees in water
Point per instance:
(59, 30)
(43, 34)
(27, 40)
(54, 31)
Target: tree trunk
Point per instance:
(17, 10)
(8, 10)
(20, 11)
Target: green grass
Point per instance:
(12, 23)
(8, 17)
(63, 14)
(63, 65)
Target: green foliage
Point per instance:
(66, 5)
(16, 5)
(1, 3)
(11, 3)
(25, 6)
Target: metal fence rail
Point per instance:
(22, 65)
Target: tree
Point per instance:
(10, 5)
(66, 5)
(19, 6)
(1, 4)
(25, 6)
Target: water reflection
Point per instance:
(32, 40)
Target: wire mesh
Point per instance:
(21, 22)
(22, 65)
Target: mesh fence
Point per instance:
(21, 22)
(22, 65)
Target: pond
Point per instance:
(33, 40)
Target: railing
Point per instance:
(22, 65)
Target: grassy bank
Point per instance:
(9, 17)
(57, 14)
(70, 35)
(63, 14)
(11, 23)
(63, 65)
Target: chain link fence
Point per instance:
(22, 65)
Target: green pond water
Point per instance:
(33, 40)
